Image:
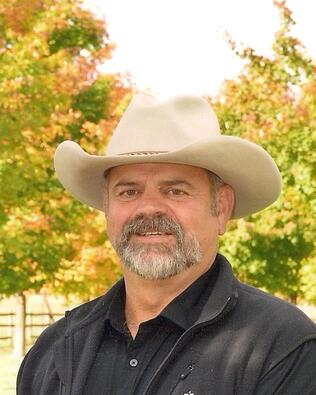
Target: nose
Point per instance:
(151, 203)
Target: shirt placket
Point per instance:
(133, 364)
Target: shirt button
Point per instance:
(133, 362)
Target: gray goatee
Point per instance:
(156, 260)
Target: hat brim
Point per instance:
(245, 166)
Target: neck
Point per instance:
(145, 299)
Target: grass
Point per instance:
(9, 366)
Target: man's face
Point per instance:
(159, 218)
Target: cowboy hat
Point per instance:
(181, 130)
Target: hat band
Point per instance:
(141, 153)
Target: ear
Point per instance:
(225, 206)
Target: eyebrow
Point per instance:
(176, 182)
(125, 184)
(163, 183)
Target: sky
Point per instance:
(172, 47)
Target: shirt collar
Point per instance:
(183, 311)
(115, 314)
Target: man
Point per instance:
(179, 322)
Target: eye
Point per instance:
(176, 192)
(128, 193)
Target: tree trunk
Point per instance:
(293, 298)
(19, 333)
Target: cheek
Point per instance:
(116, 218)
(205, 227)
(196, 219)
(111, 222)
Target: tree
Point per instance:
(50, 90)
(268, 104)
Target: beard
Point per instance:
(156, 261)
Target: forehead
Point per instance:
(157, 171)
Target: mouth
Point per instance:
(153, 236)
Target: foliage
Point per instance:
(272, 103)
(50, 90)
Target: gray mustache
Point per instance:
(159, 223)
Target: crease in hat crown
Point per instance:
(148, 126)
(181, 130)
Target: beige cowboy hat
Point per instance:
(183, 130)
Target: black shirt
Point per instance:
(244, 342)
(124, 365)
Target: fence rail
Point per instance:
(32, 321)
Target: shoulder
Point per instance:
(59, 328)
(44, 344)
(40, 359)
(256, 307)
(276, 318)
(78, 315)
(270, 305)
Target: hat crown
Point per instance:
(183, 130)
(150, 126)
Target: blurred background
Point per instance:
(68, 70)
